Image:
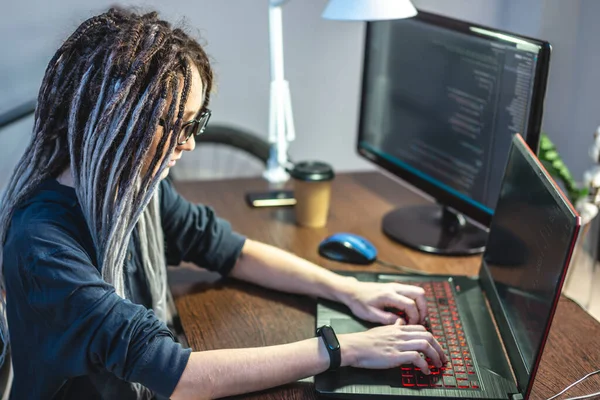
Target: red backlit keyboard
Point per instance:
(445, 325)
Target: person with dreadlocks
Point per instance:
(88, 224)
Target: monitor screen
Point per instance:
(530, 243)
(441, 100)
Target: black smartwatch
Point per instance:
(332, 345)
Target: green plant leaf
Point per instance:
(550, 158)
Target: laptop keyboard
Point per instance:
(445, 325)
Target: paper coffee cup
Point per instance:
(312, 189)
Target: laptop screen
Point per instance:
(529, 245)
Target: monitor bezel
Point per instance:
(440, 195)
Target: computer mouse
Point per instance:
(348, 248)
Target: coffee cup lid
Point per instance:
(312, 171)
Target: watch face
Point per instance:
(330, 338)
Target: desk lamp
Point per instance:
(281, 121)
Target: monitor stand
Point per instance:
(434, 229)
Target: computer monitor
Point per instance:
(441, 100)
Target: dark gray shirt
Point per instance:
(71, 335)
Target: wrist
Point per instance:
(344, 289)
(348, 351)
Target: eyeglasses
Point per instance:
(193, 127)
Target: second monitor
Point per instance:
(441, 100)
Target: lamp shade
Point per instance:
(368, 10)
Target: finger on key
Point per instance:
(426, 348)
(414, 357)
(417, 294)
(434, 343)
(408, 306)
(419, 299)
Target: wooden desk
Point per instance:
(231, 314)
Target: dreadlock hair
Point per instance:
(98, 111)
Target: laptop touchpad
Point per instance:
(349, 325)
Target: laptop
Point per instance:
(493, 326)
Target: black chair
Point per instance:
(222, 152)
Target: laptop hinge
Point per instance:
(516, 396)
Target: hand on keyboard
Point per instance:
(444, 322)
(392, 346)
(372, 301)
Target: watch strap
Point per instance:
(332, 345)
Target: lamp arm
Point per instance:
(281, 124)
(276, 39)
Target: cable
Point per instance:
(587, 396)
(400, 268)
